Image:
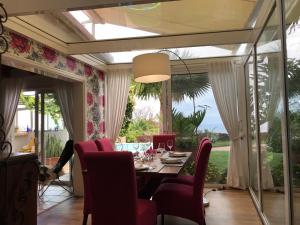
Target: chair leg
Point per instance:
(85, 218)
(162, 217)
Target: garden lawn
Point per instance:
(220, 159)
(221, 143)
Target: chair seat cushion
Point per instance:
(146, 213)
(177, 200)
(184, 179)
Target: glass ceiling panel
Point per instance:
(175, 17)
(184, 53)
(162, 18)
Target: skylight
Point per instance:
(111, 31)
(184, 53)
(80, 16)
(104, 31)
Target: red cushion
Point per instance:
(146, 212)
(105, 145)
(184, 179)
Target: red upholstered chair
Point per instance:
(105, 145)
(186, 179)
(185, 200)
(163, 138)
(111, 176)
(82, 148)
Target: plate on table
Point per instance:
(177, 154)
(171, 160)
(141, 167)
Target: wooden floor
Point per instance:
(230, 207)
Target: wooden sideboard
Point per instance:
(18, 189)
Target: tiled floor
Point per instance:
(53, 196)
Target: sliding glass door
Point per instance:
(292, 17)
(267, 121)
(252, 127)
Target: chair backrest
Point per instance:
(163, 138)
(201, 169)
(83, 148)
(199, 149)
(105, 145)
(111, 176)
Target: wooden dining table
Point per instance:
(159, 169)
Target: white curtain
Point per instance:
(66, 103)
(10, 93)
(224, 83)
(117, 90)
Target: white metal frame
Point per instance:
(279, 8)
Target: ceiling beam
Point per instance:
(161, 42)
(21, 7)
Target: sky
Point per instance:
(212, 120)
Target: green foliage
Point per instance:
(187, 125)
(294, 77)
(275, 161)
(54, 146)
(186, 128)
(128, 114)
(189, 86)
(140, 127)
(51, 105)
(273, 140)
(145, 91)
(181, 125)
(217, 168)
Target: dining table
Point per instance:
(159, 167)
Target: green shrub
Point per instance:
(54, 146)
(215, 174)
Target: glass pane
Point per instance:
(174, 17)
(293, 66)
(195, 115)
(185, 53)
(270, 117)
(161, 18)
(253, 150)
(142, 117)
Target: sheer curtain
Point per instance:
(10, 93)
(66, 102)
(224, 83)
(117, 90)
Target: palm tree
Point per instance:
(182, 87)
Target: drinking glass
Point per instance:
(136, 146)
(161, 147)
(170, 144)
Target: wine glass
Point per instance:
(170, 144)
(136, 146)
(161, 147)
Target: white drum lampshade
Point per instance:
(151, 67)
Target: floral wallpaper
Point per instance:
(95, 99)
